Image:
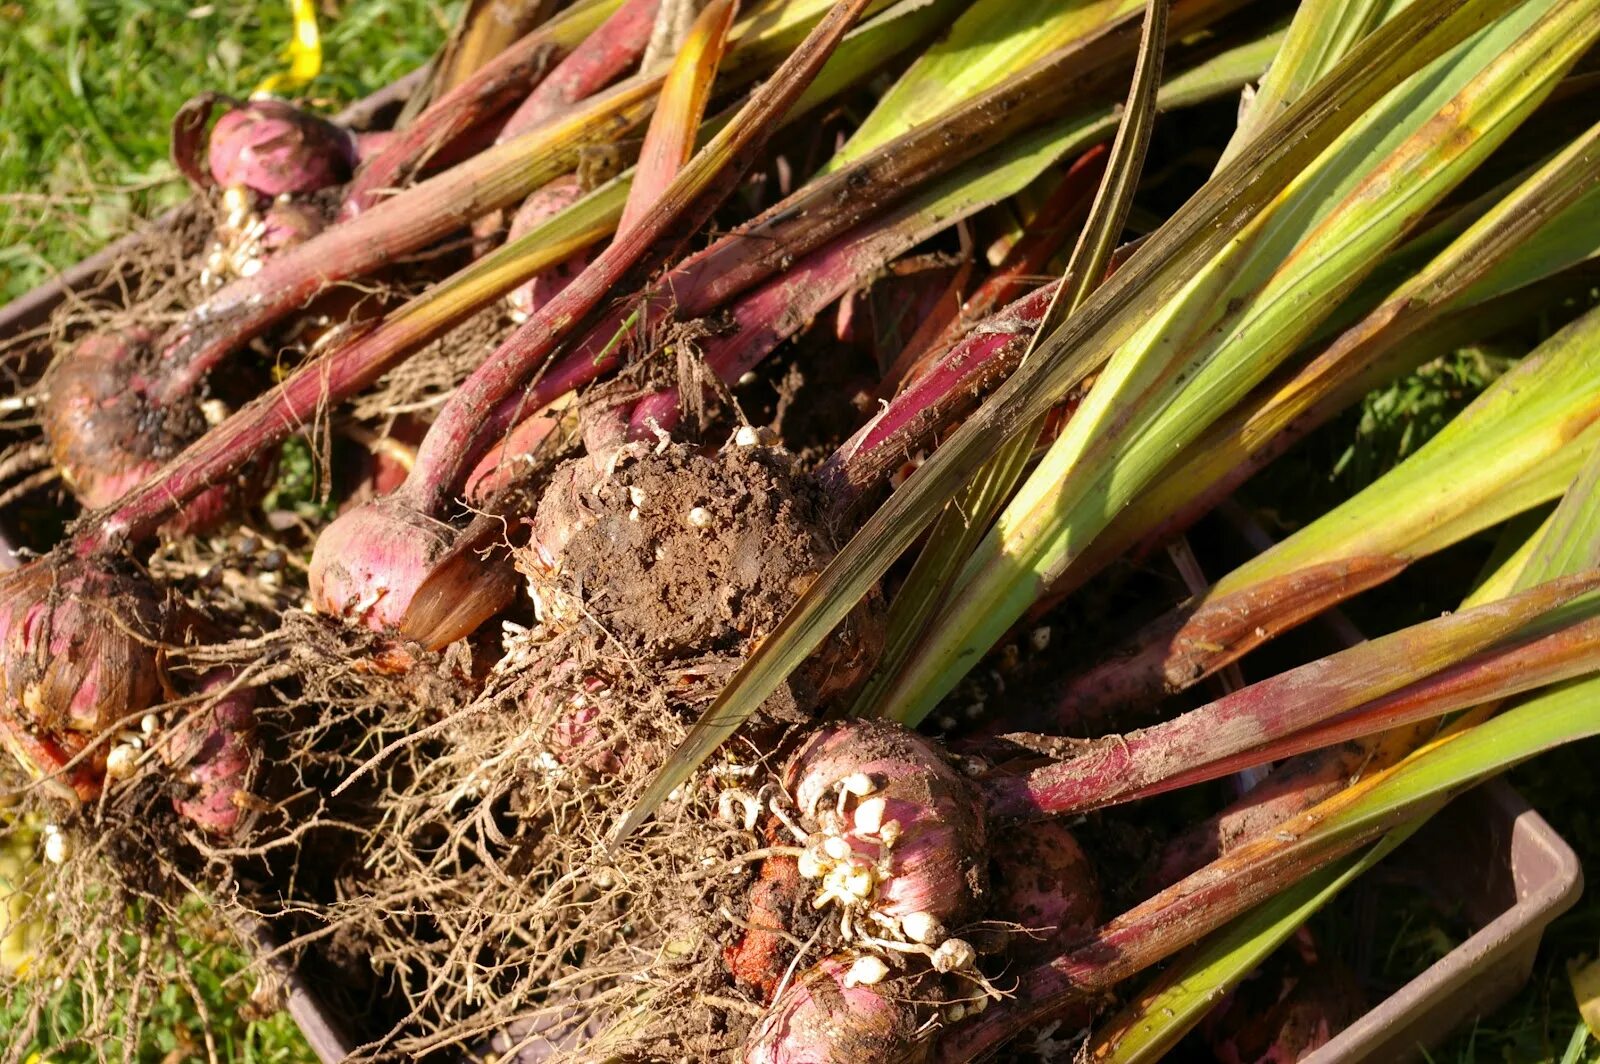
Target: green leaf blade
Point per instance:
(1426, 30)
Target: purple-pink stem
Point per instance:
(397, 226)
(655, 416)
(1495, 674)
(463, 433)
(1177, 651)
(1057, 221)
(1073, 983)
(266, 421)
(541, 205)
(822, 210)
(952, 385)
(1122, 767)
(599, 60)
(806, 220)
(941, 394)
(787, 304)
(498, 469)
(488, 91)
(784, 306)
(1289, 787)
(817, 214)
(1288, 790)
(603, 57)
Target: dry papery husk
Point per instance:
(159, 272)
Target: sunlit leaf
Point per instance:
(1186, 991)
(1212, 218)
(967, 518)
(1239, 318)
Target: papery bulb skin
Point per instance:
(1043, 882)
(936, 858)
(107, 435)
(94, 405)
(543, 204)
(80, 642)
(285, 225)
(213, 751)
(820, 1019)
(580, 739)
(370, 561)
(272, 147)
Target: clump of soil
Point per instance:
(676, 554)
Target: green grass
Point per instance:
(89, 87)
(1394, 421)
(171, 1026)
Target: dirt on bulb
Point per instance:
(676, 554)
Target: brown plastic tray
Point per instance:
(1488, 851)
(1511, 875)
